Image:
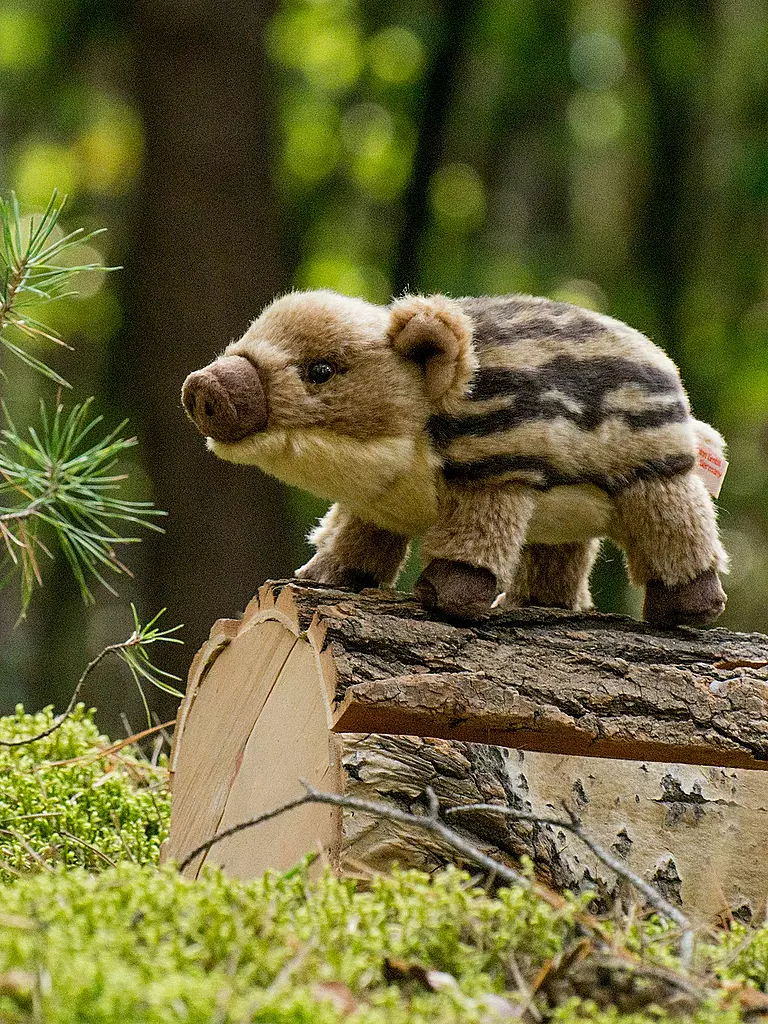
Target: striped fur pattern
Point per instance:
(563, 396)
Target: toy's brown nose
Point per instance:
(226, 400)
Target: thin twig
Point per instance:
(156, 750)
(164, 728)
(5, 866)
(431, 822)
(30, 849)
(60, 719)
(251, 823)
(113, 748)
(15, 283)
(88, 846)
(134, 640)
(574, 826)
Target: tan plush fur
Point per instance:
(392, 482)
(508, 431)
(484, 526)
(435, 332)
(565, 514)
(555, 575)
(667, 531)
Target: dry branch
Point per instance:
(547, 680)
(430, 821)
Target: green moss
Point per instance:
(116, 807)
(141, 944)
(742, 955)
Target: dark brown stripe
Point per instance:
(586, 381)
(445, 429)
(506, 319)
(498, 465)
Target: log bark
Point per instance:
(369, 696)
(542, 679)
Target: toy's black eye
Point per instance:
(320, 372)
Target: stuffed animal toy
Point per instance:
(511, 433)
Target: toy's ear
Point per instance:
(436, 334)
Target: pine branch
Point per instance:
(32, 271)
(61, 479)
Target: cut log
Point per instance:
(367, 695)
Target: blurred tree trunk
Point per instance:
(437, 96)
(206, 261)
(672, 47)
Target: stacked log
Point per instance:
(653, 739)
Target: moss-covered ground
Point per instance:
(92, 930)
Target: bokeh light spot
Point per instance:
(381, 162)
(24, 38)
(504, 272)
(366, 124)
(88, 282)
(457, 195)
(40, 167)
(312, 146)
(396, 55)
(597, 60)
(596, 119)
(343, 274)
(111, 149)
(317, 40)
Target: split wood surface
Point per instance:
(543, 679)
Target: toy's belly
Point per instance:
(572, 513)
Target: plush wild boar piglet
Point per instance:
(511, 433)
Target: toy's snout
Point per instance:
(226, 400)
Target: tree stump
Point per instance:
(645, 734)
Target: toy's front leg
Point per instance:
(353, 554)
(473, 550)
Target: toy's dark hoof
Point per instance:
(325, 569)
(687, 604)
(457, 589)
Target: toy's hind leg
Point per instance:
(668, 530)
(555, 575)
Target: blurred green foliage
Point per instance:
(609, 154)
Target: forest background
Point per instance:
(610, 153)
